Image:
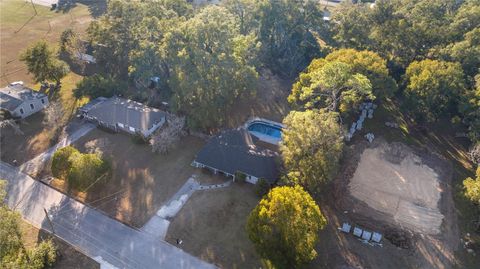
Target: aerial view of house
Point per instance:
(122, 114)
(272, 134)
(21, 101)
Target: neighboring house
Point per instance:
(236, 151)
(21, 101)
(121, 114)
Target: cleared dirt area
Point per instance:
(211, 226)
(376, 181)
(393, 180)
(142, 181)
(67, 256)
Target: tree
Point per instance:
(332, 85)
(434, 88)
(210, 67)
(472, 188)
(284, 226)
(61, 161)
(80, 170)
(470, 109)
(13, 253)
(288, 31)
(474, 153)
(311, 147)
(163, 140)
(42, 62)
(349, 29)
(53, 115)
(98, 85)
(72, 45)
(369, 64)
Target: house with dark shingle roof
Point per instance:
(236, 151)
(21, 101)
(119, 114)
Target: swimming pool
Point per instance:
(266, 129)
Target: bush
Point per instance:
(61, 161)
(240, 177)
(262, 187)
(44, 255)
(139, 139)
(97, 85)
(80, 170)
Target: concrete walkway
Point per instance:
(157, 226)
(36, 164)
(95, 234)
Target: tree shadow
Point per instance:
(96, 7)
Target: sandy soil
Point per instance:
(422, 246)
(393, 180)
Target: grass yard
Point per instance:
(67, 256)
(212, 226)
(142, 181)
(20, 27)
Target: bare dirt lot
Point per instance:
(405, 195)
(142, 181)
(212, 226)
(393, 180)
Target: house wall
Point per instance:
(27, 109)
(250, 179)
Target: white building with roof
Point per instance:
(21, 101)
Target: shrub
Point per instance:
(240, 177)
(262, 187)
(61, 163)
(44, 255)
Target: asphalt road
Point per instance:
(90, 231)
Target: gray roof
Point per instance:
(13, 96)
(235, 150)
(119, 110)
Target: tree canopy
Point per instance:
(13, 253)
(311, 147)
(79, 169)
(434, 88)
(42, 62)
(284, 226)
(472, 188)
(333, 85)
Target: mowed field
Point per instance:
(21, 26)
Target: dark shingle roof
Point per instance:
(14, 95)
(235, 150)
(118, 110)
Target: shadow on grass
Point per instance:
(96, 7)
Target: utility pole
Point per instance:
(49, 221)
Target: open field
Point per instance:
(67, 256)
(20, 27)
(212, 226)
(142, 181)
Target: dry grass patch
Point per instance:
(212, 226)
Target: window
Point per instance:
(43, 101)
(31, 106)
(21, 110)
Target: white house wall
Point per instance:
(27, 110)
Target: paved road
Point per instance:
(87, 229)
(36, 164)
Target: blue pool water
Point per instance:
(266, 129)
